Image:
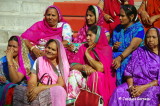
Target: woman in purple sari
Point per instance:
(94, 56)
(142, 75)
(53, 26)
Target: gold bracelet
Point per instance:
(10, 65)
(150, 85)
(32, 48)
(122, 57)
(83, 67)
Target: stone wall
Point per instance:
(18, 15)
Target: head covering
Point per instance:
(63, 61)
(103, 53)
(44, 66)
(23, 59)
(41, 30)
(81, 37)
(158, 35)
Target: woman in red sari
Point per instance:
(111, 10)
(150, 13)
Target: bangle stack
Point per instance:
(150, 85)
(83, 67)
(130, 86)
(10, 65)
(122, 57)
(32, 48)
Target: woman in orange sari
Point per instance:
(149, 12)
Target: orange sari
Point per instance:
(153, 8)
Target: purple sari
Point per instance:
(144, 68)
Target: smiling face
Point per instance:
(91, 37)
(13, 45)
(51, 51)
(152, 39)
(90, 17)
(51, 16)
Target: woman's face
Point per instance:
(52, 17)
(91, 37)
(123, 18)
(13, 46)
(51, 51)
(90, 17)
(152, 39)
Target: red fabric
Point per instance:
(9, 97)
(112, 7)
(86, 98)
(153, 7)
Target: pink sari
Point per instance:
(23, 58)
(41, 30)
(58, 93)
(81, 37)
(103, 53)
(55, 96)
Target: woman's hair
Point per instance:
(50, 41)
(158, 35)
(93, 29)
(129, 10)
(91, 8)
(13, 38)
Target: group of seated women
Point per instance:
(46, 66)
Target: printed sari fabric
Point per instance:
(81, 37)
(112, 7)
(55, 96)
(143, 67)
(24, 62)
(153, 8)
(125, 37)
(106, 80)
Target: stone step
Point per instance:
(16, 22)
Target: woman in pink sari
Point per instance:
(47, 84)
(111, 10)
(94, 16)
(52, 26)
(95, 56)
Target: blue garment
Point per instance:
(4, 86)
(125, 37)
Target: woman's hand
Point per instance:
(116, 45)
(107, 17)
(70, 47)
(138, 90)
(3, 78)
(38, 52)
(9, 54)
(90, 48)
(145, 17)
(117, 62)
(32, 93)
(88, 69)
(153, 19)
